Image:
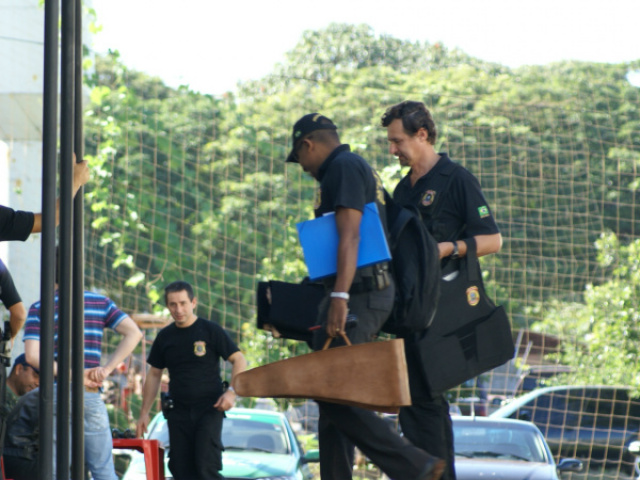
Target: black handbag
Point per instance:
(292, 308)
(469, 334)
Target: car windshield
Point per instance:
(501, 442)
(238, 434)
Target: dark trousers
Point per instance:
(427, 422)
(195, 446)
(18, 468)
(341, 427)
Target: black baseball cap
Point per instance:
(22, 360)
(307, 124)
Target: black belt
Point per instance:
(362, 283)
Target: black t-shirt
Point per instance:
(8, 293)
(192, 356)
(15, 224)
(347, 180)
(459, 212)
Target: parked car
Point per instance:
(595, 423)
(536, 376)
(506, 449)
(258, 444)
(634, 449)
(470, 397)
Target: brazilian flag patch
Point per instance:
(483, 211)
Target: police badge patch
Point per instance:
(428, 198)
(473, 296)
(199, 348)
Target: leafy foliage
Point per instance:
(194, 187)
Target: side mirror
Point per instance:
(311, 456)
(570, 465)
(524, 415)
(634, 448)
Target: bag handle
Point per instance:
(471, 259)
(330, 339)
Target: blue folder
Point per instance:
(319, 240)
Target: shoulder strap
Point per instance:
(401, 218)
(449, 170)
(473, 266)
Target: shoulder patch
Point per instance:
(483, 211)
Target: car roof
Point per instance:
(255, 414)
(493, 422)
(523, 399)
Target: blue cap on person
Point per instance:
(307, 124)
(22, 360)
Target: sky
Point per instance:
(211, 45)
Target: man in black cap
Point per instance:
(22, 379)
(347, 184)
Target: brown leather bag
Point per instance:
(369, 375)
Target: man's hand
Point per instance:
(226, 401)
(141, 426)
(80, 174)
(97, 374)
(89, 381)
(337, 317)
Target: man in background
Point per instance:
(22, 379)
(100, 313)
(11, 300)
(191, 348)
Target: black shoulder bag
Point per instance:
(469, 334)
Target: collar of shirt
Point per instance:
(325, 165)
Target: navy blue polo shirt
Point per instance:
(348, 181)
(15, 224)
(459, 212)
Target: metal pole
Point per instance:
(66, 237)
(47, 275)
(77, 339)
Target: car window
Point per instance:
(238, 433)
(245, 434)
(477, 441)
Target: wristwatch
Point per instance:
(454, 254)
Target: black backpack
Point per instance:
(415, 266)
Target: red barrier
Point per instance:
(153, 454)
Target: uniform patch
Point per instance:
(199, 348)
(473, 296)
(428, 198)
(483, 211)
